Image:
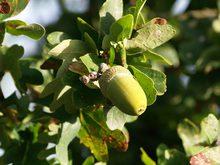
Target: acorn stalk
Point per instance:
(119, 86)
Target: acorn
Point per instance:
(119, 86)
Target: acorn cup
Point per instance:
(119, 86)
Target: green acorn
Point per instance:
(119, 86)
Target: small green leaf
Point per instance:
(139, 6)
(57, 37)
(17, 27)
(84, 27)
(67, 133)
(156, 57)
(91, 61)
(2, 33)
(110, 11)
(168, 156)
(119, 30)
(111, 58)
(210, 128)
(150, 36)
(91, 44)
(146, 159)
(89, 161)
(146, 83)
(159, 78)
(116, 119)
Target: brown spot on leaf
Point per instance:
(159, 21)
(5, 8)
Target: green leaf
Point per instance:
(16, 7)
(146, 83)
(168, 156)
(150, 36)
(110, 11)
(69, 91)
(119, 30)
(30, 75)
(2, 33)
(146, 159)
(17, 27)
(96, 135)
(91, 44)
(190, 135)
(139, 6)
(69, 49)
(78, 67)
(62, 95)
(210, 128)
(156, 57)
(57, 37)
(91, 61)
(168, 54)
(89, 161)
(159, 78)
(10, 62)
(67, 133)
(84, 27)
(116, 119)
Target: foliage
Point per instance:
(58, 108)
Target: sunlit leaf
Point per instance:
(190, 135)
(116, 119)
(57, 37)
(69, 49)
(210, 128)
(67, 133)
(150, 36)
(91, 61)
